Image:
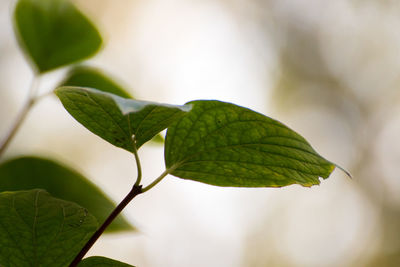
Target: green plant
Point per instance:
(207, 141)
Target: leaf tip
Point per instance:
(345, 171)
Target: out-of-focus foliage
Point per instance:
(84, 76)
(54, 33)
(26, 173)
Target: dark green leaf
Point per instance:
(83, 76)
(37, 229)
(117, 119)
(60, 181)
(97, 261)
(227, 145)
(54, 33)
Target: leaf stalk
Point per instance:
(138, 165)
(156, 181)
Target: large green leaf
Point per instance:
(98, 261)
(37, 229)
(117, 119)
(227, 145)
(32, 172)
(84, 76)
(54, 33)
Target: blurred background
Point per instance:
(327, 69)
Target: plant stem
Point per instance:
(138, 165)
(136, 190)
(156, 181)
(32, 98)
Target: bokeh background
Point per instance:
(327, 69)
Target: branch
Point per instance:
(136, 190)
(32, 99)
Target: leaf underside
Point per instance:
(227, 145)
(97, 261)
(62, 182)
(116, 119)
(54, 33)
(39, 230)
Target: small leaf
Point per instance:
(62, 182)
(37, 229)
(83, 76)
(98, 261)
(117, 119)
(227, 145)
(54, 33)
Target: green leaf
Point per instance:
(37, 229)
(60, 181)
(83, 76)
(54, 33)
(227, 145)
(117, 119)
(97, 261)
